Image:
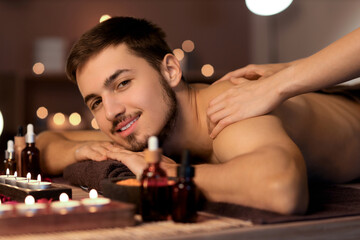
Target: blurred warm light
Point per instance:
(63, 197)
(94, 124)
(38, 68)
(207, 70)
(104, 17)
(42, 112)
(267, 7)
(75, 119)
(29, 200)
(188, 46)
(1, 123)
(179, 54)
(59, 118)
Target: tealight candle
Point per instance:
(5, 208)
(94, 202)
(39, 184)
(3, 177)
(64, 205)
(24, 183)
(29, 208)
(12, 180)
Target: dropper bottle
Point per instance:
(155, 191)
(20, 144)
(9, 161)
(184, 195)
(30, 155)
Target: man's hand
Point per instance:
(135, 161)
(93, 150)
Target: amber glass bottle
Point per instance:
(30, 155)
(184, 194)
(155, 191)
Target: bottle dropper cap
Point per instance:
(30, 135)
(153, 143)
(20, 132)
(185, 170)
(10, 149)
(153, 153)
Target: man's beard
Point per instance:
(169, 97)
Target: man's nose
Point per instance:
(113, 106)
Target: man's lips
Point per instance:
(126, 124)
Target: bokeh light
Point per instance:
(38, 68)
(207, 70)
(75, 119)
(104, 17)
(59, 118)
(188, 46)
(179, 54)
(42, 112)
(94, 124)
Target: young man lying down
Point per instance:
(133, 85)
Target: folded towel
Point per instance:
(89, 173)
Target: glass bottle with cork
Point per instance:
(184, 194)
(30, 155)
(155, 191)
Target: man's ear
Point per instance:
(171, 70)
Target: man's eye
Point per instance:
(95, 104)
(123, 83)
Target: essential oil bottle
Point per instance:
(9, 162)
(155, 191)
(20, 144)
(30, 155)
(184, 194)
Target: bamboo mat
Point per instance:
(156, 230)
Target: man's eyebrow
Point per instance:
(113, 76)
(107, 82)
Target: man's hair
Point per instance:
(142, 37)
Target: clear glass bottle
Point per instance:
(30, 155)
(155, 191)
(184, 194)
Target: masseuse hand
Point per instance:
(135, 160)
(247, 98)
(93, 150)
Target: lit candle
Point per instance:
(14, 179)
(24, 183)
(5, 208)
(30, 207)
(94, 202)
(3, 177)
(38, 184)
(64, 205)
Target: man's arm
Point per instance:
(62, 148)
(260, 167)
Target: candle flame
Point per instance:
(63, 197)
(93, 194)
(7, 172)
(28, 176)
(39, 179)
(15, 174)
(29, 200)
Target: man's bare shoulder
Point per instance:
(251, 135)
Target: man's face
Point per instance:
(129, 99)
